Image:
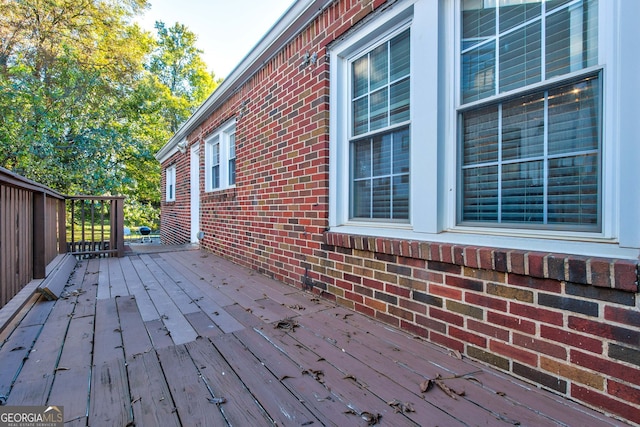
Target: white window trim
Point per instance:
(170, 184)
(434, 103)
(222, 136)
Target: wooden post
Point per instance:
(62, 226)
(39, 230)
(117, 225)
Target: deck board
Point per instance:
(240, 408)
(110, 402)
(188, 389)
(106, 352)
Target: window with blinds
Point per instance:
(214, 147)
(530, 152)
(380, 139)
(232, 158)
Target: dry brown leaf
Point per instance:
(426, 385)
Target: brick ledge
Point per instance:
(601, 272)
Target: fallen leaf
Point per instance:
(456, 354)
(217, 400)
(398, 406)
(426, 385)
(316, 374)
(287, 324)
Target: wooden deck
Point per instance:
(188, 339)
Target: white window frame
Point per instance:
(170, 186)
(220, 137)
(435, 27)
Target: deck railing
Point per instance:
(33, 229)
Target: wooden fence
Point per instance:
(33, 230)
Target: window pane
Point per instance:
(361, 116)
(480, 194)
(400, 56)
(232, 171)
(478, 72)
(361, 204)
(400, 101)
(379, 67)
(360, 76)
(573, 190)
(571, 42)
(380, 165)
(523, 128)
(382, 155)
(215, 176)
(401, 152)
(478, 21)
(520, 62)
(401, 197)
(379, 109)
(381, 198)
(574, 117)
(523, 192)
(480, 135)
(361, 156)
(517, 13)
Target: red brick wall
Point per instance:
(569, 324)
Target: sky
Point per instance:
(227, 30)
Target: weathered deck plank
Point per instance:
(13, 353)
(283, 407)
(110, 402)
(150, 395)
(139, 289)
(73, 371)
(135, 338)
(189, 391)
(240, 408)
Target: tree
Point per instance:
(87, 97)
(178, 66)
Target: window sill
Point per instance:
(601, 270)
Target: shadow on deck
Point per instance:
(185, 338)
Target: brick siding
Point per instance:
(569, 324)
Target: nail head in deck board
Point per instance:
(151, 400)
(189, 392)
(71, 383)
(134, 334)
(240, 408)
(281, 405)
(110, 402)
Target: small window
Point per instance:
(220, 158)
(170, 184)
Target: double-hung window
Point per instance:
(530, 115)
(170, 176)
(220, 158)
(379, 130)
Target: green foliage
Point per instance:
(87, 97)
